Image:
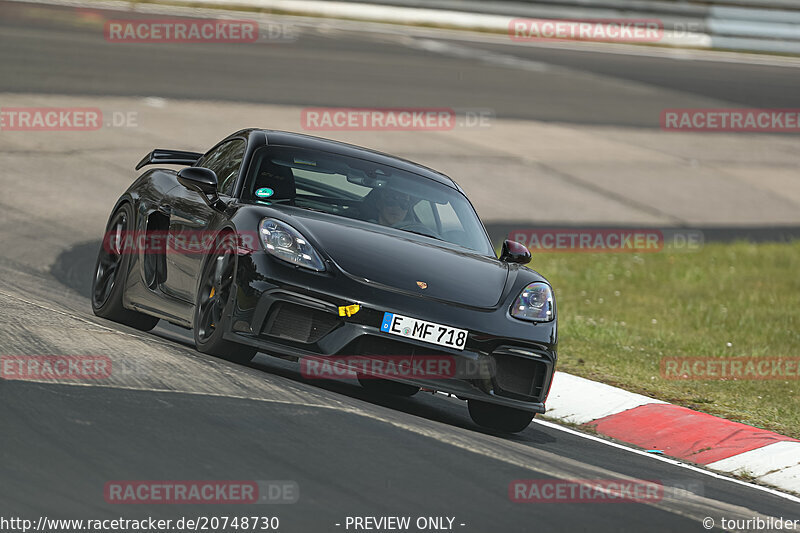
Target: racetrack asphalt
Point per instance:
(51, 50)
(172, 413)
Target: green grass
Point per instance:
(619, 314)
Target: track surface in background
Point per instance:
(57, 52)
(178, 414)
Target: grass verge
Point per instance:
(620, 314)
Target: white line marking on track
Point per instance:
(669, 460)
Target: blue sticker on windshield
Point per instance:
(264, 192)
(387, 321)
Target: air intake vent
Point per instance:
(519, 377)
(299, 323)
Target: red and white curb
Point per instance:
(713, 442)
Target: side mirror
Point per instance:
(514, 252)
(199, 179)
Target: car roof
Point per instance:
(309, 142)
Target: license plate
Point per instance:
(421, 330)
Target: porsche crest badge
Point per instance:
(422, 285)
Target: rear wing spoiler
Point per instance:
(169, 157)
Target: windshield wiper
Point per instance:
(275, 201)
(423, 234)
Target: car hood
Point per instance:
(399, 260)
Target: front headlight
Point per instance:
(285, 242)
(534, 303)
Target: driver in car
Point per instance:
(392, 207)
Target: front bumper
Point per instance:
(511, 364)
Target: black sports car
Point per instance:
(337, 256)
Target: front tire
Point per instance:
(213, 297)
(111, 268)
(499, 417)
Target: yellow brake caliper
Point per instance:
(211, 296)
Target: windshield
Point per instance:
(363, 190)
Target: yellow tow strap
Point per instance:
(349, 310)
